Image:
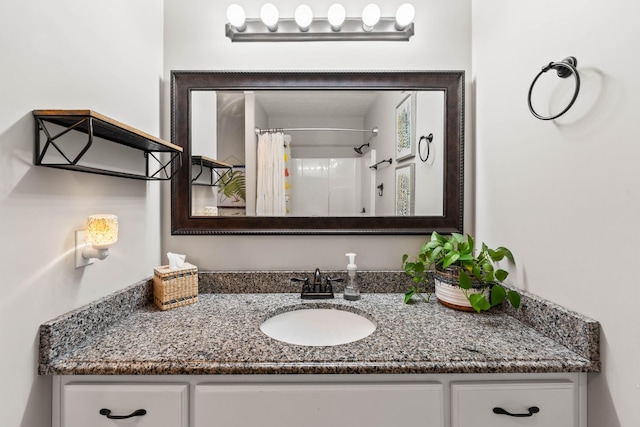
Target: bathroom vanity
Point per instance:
(209, 364)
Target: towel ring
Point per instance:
(428, 138)
(564, 68)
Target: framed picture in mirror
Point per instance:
(405, 190)
(405, 128)
(232, 189)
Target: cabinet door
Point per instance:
(319, 405)
(165, 405)
(472, 404)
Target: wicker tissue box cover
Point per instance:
(175, 287)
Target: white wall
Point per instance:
(564, 195)
(104, 55)
(194, 39)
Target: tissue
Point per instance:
(175, 260)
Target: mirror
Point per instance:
(394, 140)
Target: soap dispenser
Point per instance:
(352, 291)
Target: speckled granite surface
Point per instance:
(280, 281)
(125, 334)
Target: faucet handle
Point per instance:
(305, 281)
(331, 281)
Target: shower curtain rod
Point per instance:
(259, 131)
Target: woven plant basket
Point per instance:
(448, 290)
(175, 287)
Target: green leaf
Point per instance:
(498, 294)
(404, 258)
(457, 237)
(449, 259)
(471, 244)
(464, 280)
(465, 257)
(501, 275)
(408, 295)
(506, 253)
(435, 253)
(437, 237)
(479, 302)
(514, 298)
(431, 245)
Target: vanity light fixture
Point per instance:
(303, 17)
(236, 17)
(270, 27)
(336, 16)
(94, 242)
(270, 15)
(404, 16)
(370, 16)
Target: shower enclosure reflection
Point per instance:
(331, 158)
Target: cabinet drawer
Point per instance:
(319, 405)
(472, 404)
(165, 405)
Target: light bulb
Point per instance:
(236, 17)
(370, 16)
(303, 17)
(336, 16)
(269, 15)
(404, 16)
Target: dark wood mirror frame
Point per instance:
(451, 82)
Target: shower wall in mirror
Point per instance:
(318, 152)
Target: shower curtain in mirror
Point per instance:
(271, 200)
(287, 176)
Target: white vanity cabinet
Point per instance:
(417, 400)
(515, 403)
(122, 404)
(319, 405)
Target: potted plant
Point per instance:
(464, 278)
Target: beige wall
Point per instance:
(104, 55)
(564, 195)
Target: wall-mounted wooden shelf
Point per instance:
(96, 125)
(217, 170)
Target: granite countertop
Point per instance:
(125, 334)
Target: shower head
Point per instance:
(359, 149)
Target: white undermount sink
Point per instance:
(318, 327)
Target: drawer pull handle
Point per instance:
(532, 410)
(107, 413)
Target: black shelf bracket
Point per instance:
(218, 170)
(95, 126)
